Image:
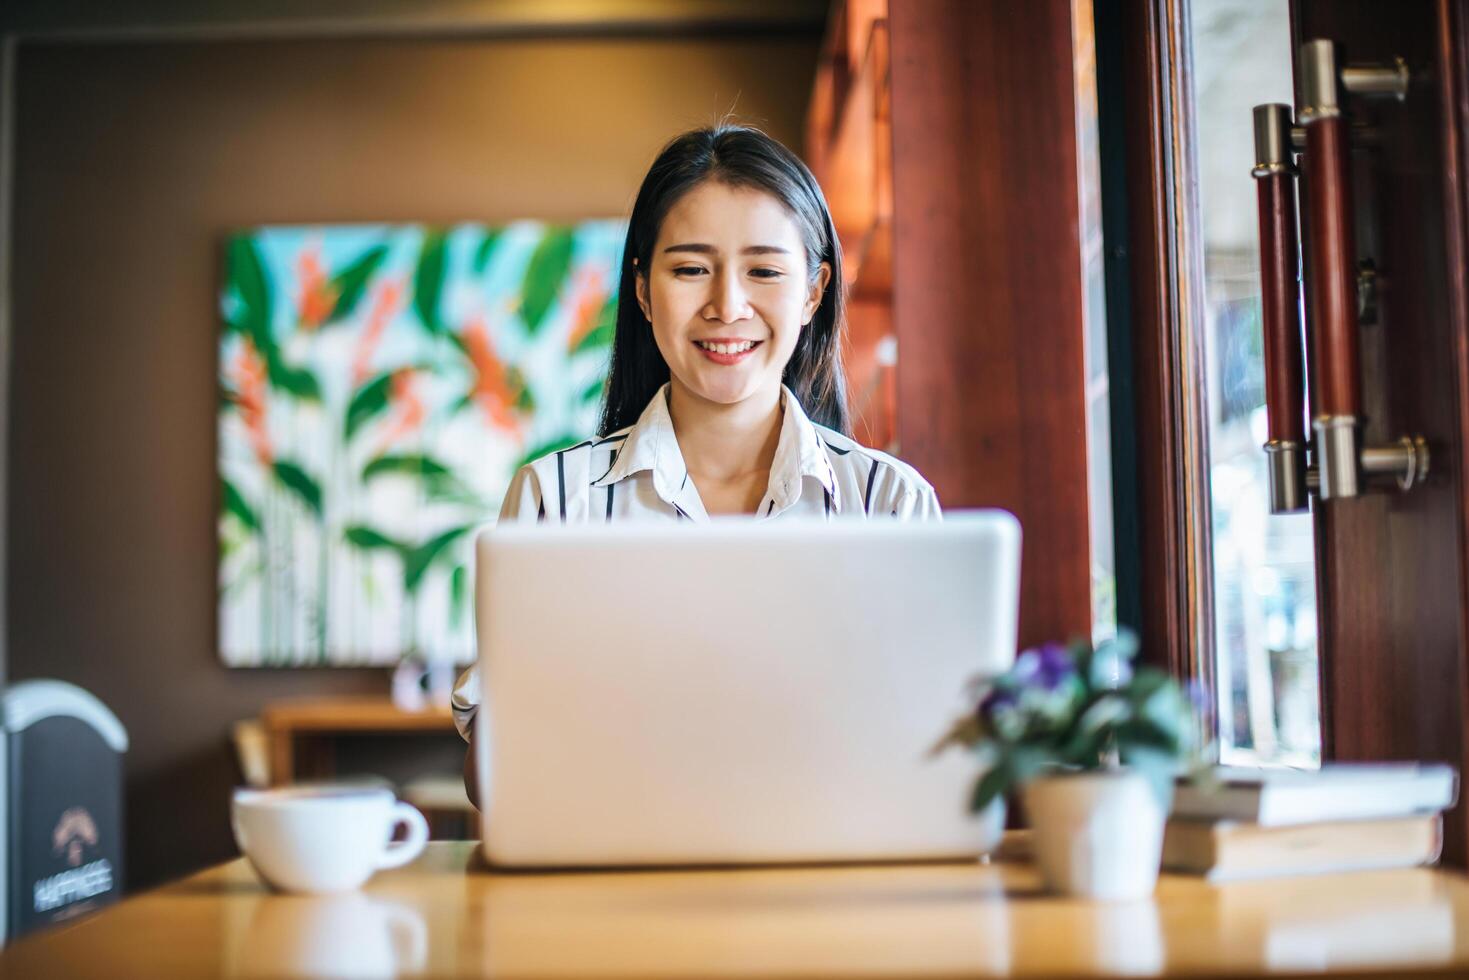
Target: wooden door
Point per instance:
(1391, 565)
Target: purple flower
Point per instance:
(1047, 667)
(999, 699)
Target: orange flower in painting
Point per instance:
(386, 302)
(491, 390)
(249, 377)
(587, 299)
(407, 407)
(318, 295)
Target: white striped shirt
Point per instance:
(639, 473)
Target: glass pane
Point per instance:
(1264, 573)
(1094, 314)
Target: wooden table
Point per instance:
(446, 915)
(289, 723)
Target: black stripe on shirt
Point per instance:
(561, 481)
(871, 479)
(827, 493)
(610, 463)
(771, 507)
(602, 442)
(609, 502)
(839, 452)
(681, 513)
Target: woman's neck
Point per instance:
(726, 443)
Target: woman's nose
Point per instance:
(728, 302)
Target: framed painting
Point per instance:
(379, 386)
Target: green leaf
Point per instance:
(458, 594)
(412, 465)
(544, 275)
(417, 562)
(369, 401)
(298, 382)
(598, 338)
(1143, 733)
(299, 482)
(1107, 666)
(1028, 761)
(602, 334)
(234, 504)
(458, 341)
(352, 281)
(1158, 767)
(251, 284)
(525, 402)
(486, 249)
(1158, 699)
(1103, 714)
(369, 539)
(989, 787)
(592, 392)
(428, 281)
(963, 732)
(437, 477)
(545, 448)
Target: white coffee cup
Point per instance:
(323, 839)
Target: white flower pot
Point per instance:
(1097, 834)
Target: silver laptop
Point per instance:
(736, 692)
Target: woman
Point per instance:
(725, 394)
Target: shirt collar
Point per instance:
(652, 445)
(799, 454)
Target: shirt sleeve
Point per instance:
(464, 702)
(523, 502)
(920, 504)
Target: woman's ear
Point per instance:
(813, 296)
(640, 289)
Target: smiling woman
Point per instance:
(726, 393)
(729, 331)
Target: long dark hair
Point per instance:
(739, 156)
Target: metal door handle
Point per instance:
(1280, 296)
(1338, 462)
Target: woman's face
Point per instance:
(727, 292)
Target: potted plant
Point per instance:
(1093, 744)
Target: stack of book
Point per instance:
(1259, 823)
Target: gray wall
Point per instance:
(132, 161)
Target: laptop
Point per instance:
(737, 692)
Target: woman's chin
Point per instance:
(726, 391)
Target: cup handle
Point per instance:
(400, 853)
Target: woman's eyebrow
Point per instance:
(710, 249)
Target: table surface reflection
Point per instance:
(448, 915)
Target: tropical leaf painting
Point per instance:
(378, 387)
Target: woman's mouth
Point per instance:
(726, 351)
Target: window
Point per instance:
(1264, 579)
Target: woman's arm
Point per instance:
(522, 503)
(471, 771)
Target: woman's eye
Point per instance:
(692, 270)
(766, 273)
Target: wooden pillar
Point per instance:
(987, 280)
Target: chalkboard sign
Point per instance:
(65, 833)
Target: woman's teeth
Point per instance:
(739, 348)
